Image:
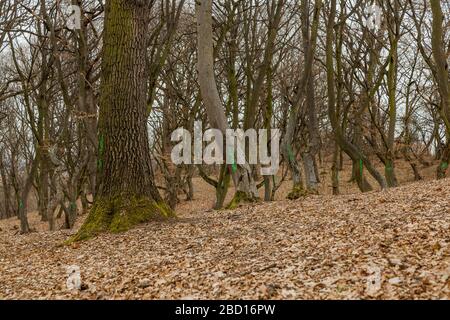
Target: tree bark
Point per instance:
(126, 195)
(442, 77)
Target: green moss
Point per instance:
(297, 193)
(119, 214)
(239, 198)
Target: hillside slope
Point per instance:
(391, 244)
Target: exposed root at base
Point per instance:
(300, 192)
(239, 198)
(119, 214)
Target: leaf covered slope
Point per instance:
(320, 247)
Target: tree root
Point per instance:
(119, 214)
(298, 192)
(239, 198)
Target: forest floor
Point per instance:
(390, 244)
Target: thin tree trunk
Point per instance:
(442, 77)
(7, 207)
(23, 201)
(288, 152)
(335, 170)
(313, 143)
(346, 146)
(242, 177)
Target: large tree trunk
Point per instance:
(126, 192)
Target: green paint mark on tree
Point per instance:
(21, 205)
(100, 164)
(444, 165)
(290, 153)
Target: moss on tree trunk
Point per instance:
(239, 198)
(119, 214)
(126, 194)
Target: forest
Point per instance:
(224, 149)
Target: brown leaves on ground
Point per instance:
(391, 244)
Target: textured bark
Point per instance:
(124, 162)
(126, 194)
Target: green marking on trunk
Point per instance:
(444, 165)
(230, 158)
(100, 164)
(361, 167)
(21, 205)
(290, 153)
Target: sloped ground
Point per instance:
(392, 244)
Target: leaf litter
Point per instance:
(393, 244)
